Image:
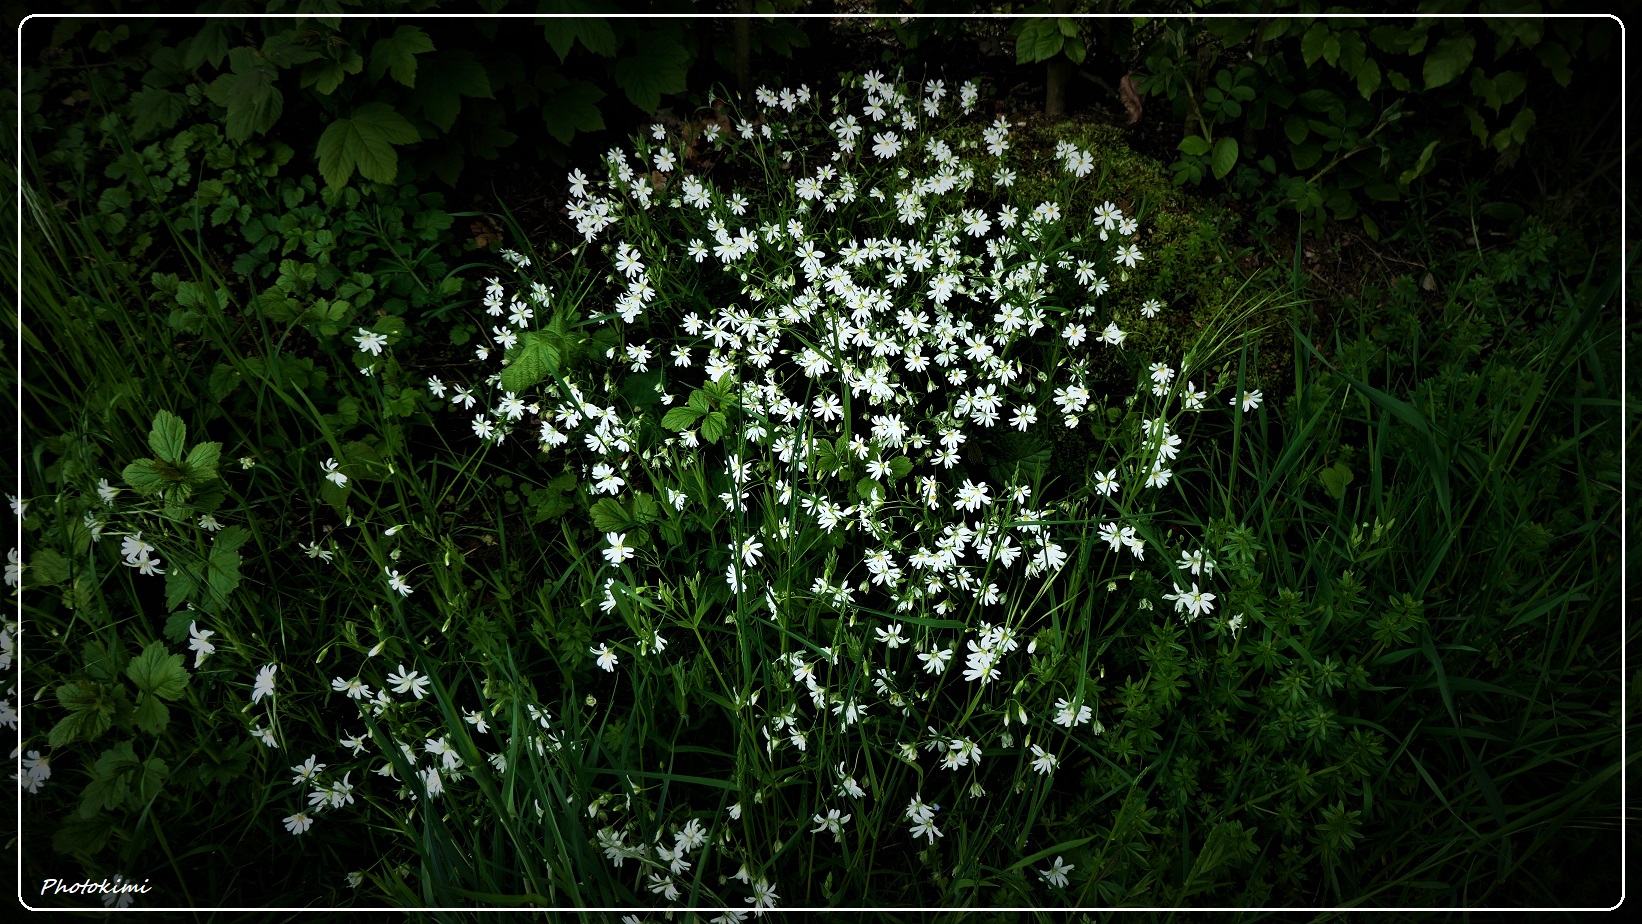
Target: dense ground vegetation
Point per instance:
(644, 463)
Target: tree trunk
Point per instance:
(744, 49)
(1060, 71)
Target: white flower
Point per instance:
(618, 551)
(264, 685)
(106, 492)
(298, 823)
(330, 468)
(1251, 399)
(411, 682)
(605, 656)
(370, 342)
(1055, 875)
(398, 583)
(197, 642)
(1045, 762)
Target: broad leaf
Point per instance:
(396, 55)
(364, 142)
(532, 360)
(168, 436)
(609, 516)
(449, 77)
(574, 109)
(158, 672)
(681, 418)
(201, 465)
(1225, 156)
(657, 66)
(1040, 40)
(1448, 59)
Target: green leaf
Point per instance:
(1448, 59)
(1311, 44)
(1195, 145)
(209, 44)
(533, 359)
(658, 65)
(364, 142)
(181, 582)
(146, 476)
(574, 109)
(1225, 156)
(151, 714)
(1411, 174)
(290, 47)
(91, 712)
(1295, 128)
(155, 109)
(104, 662)
(1368, 78)
(1040, 40)
(449, 77)
(168, 436)
(248, 93)
(644, 510)
(326, 74)
(222, 574)
(681, 418)
(396, 55)
(1075, 49)
(712, 426)
(867, 489)
(158, 672)
(201, 465)
(1555, 58)
(594, 34)
(47, 568)
(79, 836)
(1335, 478)
(609, 516)
(900, 467)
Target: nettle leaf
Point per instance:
(658, 65)
(151, 714)
(158, 672)
(448, 78)
(532, 360)
(396, 55)
(900, 467)
(574, 109)
(609, 516)
(168, 436)
(364, 142)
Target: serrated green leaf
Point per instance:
(158, 672)
(168, 436)
(533, 359)
(79, 836)
(657, 66)
(867, 489)
(151, 715)
(290, 47)
(326, 74)
(713, 425)
(900, 467)
(609, 516)
(396, 55)
(145, 476)
(594, 35)
(155, 109)
(201, 465)
(46, 568)
(1225, 156)
(681, 418)
(447, 78)
(644, 510)
(230, 539)
(1040, 40)
(574, 109)
(181, 583)
(91, 712)
(1448, 59)
(364, 142)
(248, 92)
